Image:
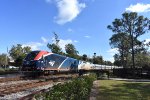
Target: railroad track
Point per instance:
(23, 86)
(2, 80)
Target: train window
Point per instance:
(54, 60)
(66, 64)
(74, 64)
(32, 55)
(70, 63)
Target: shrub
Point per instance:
(2, 70)
(77, 89)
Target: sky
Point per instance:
(80, 22)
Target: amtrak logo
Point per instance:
(52, 62)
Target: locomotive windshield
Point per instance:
(54, 60)
(32, 55)
(70, 62)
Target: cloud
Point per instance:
(62, 43)
(147, 41)
(109, 59)
(68, 10)
(89, 0)
(76, 41)
(70, 30)
(37, 45)
(44, 39)
(48, 1)
(139, 7)
(113, 51)
(87, 36)
(34, 45)
(40, 45)
(93, 0)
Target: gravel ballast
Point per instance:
(15, 96)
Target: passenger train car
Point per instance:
(45, 62)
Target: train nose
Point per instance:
(29, 66)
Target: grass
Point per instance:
(122, 90)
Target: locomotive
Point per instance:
(46, 62)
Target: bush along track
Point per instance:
(77, 89)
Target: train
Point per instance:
(47, 62)
(44, 62)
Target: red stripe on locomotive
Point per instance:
(40, 54)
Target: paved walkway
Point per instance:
(131, 80)
(95, 90)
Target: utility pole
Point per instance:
(6, 60)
